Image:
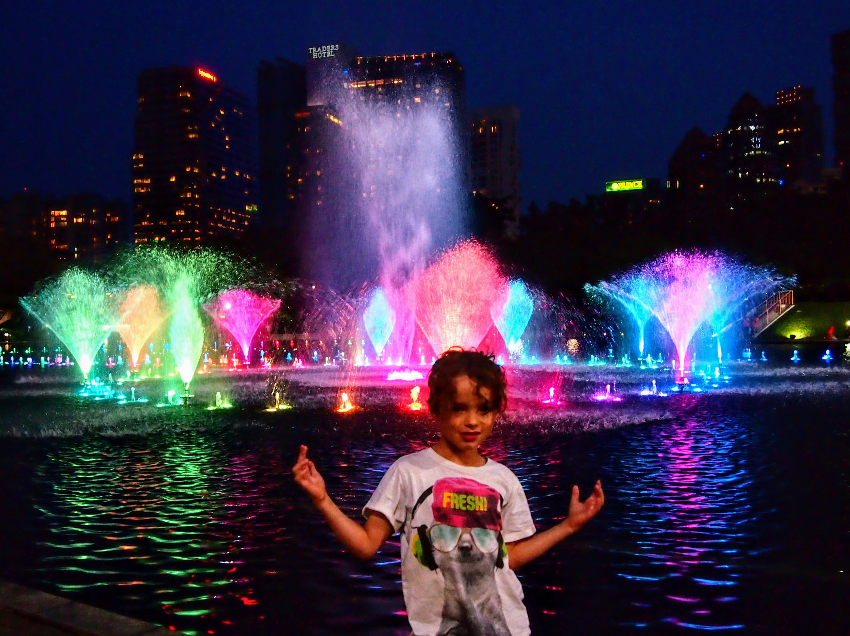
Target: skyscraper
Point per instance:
(494, 157)
(194, 160)
(281, 106)
(694, 173)
(841, 92)
(746, 153)
(795, 125)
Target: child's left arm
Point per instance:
(526, 550)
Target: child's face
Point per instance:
(468, 421)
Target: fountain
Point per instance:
(81, 309)
(241, 312)
(735, 286)
(186, 331)
(453, 297)
(511, 313)
(629, 291)
(142, 315)
(379, 320)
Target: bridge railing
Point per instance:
(770, 310)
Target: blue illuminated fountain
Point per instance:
(630, 291)
(379, 320)
(736, 287)
(511, 313)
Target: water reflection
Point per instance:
(203, 530)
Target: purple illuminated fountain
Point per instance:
(686, 289)
(678, 291)
(241, 312)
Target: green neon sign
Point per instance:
(623, 186)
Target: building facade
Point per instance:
(281, 111)
(841, 94)
(85, 227)
(495, 159)
(694, 173)
(194, 159)
(796, 133)
(747, 154)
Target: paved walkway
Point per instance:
(26, 612)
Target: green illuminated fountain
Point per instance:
(81, 309)
(186, 331)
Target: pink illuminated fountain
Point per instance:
(241, 312)
(142, 315)
(453, 297)
(680, 295)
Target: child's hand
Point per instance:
(309, 478)
(582, 512)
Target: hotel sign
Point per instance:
(319, 52)
(622, 186)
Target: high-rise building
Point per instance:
(85, 227)
(841, 92)
(281, 110)
(494, 157)
(795, 126)
(694, 173)
(747, 155)
(194, 160)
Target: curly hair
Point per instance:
(479, 367)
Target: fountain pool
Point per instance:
(724, 510)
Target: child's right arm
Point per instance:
(361, 541)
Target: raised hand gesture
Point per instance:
(308, 477)
(583, 511)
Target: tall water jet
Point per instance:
(629, 291)
(392, 172)
(141, 316)
(678, 290)
(511, 313)
(81, 309)
(736, 287)
(379, 320)
(186, 331)
(241, 312)
(453, 297)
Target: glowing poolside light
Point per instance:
(408, 375)
(415, 404)
(345, 404)
(551, 400)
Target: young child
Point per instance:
(464, 518)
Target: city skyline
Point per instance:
(68, 103)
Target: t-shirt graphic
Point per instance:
(464, 541)
(455, 522)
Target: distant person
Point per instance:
(464, 518)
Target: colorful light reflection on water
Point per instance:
(203, 529)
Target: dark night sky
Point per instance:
(606, 90)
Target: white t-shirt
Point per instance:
(454, 522)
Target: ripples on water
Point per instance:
(731, 513)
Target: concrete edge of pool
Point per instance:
(29, 612)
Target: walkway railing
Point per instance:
(770, 310)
